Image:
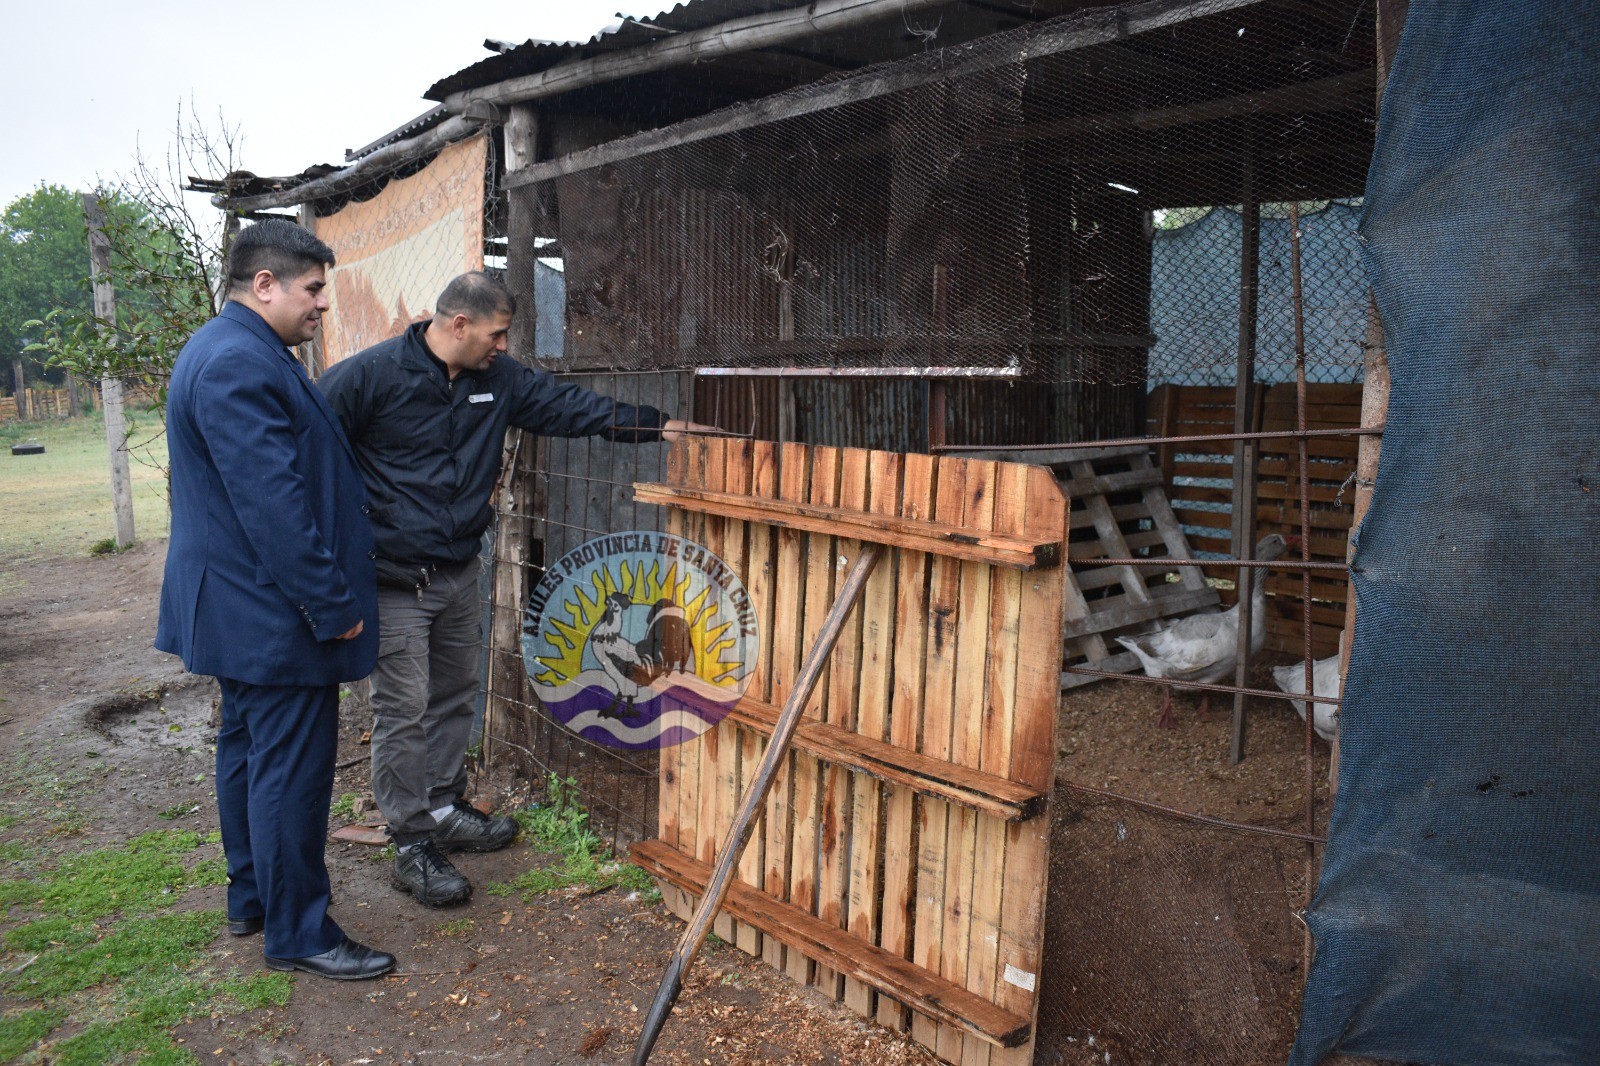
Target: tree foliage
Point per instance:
(166, 266)
(44, 264)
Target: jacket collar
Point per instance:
(234, 311)
(416, 357)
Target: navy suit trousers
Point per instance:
(275, 755)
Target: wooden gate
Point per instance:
(902, 860)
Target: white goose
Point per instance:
(1324, 682)
(1205, 647)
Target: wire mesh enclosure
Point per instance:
(1012, 242)
(1032, 205)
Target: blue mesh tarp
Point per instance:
(1458, 915)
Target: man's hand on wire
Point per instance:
(677, 428)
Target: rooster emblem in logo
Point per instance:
(634, 667)
(639, 640)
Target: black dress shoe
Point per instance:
(346, 961)
(244, 926)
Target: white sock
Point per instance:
(440, 813)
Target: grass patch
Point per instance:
(91, 941)
(344, 806)
(258, 991)
(456, 927)
(21, 1030)
(59, 503)
(164, 942)
(35, 790)
(108, 546)
(561, 825)
(145, 874)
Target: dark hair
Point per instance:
(477, 295)
(276, 245)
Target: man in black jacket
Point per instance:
(427, 413)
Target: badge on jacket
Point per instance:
(481, 397)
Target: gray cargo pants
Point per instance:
(423, 686)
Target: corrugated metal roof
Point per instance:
(533, 56)
(423, 122)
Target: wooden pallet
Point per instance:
(1199, 478)
(1119, 511)
(902, 864)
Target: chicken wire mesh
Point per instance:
(1057, 202)
(1167, 942)
(556, 494)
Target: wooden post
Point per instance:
(1245, 451)
(754, 797)
(1374, 385)
(21, 387)
(105, 310)
(516, 492)
(311, 352)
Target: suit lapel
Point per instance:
(257, 325)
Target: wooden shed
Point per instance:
(893, 241)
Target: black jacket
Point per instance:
(429, 449)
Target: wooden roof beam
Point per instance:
(1099, 26)
(727, 38)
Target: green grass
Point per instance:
(94, 945)
(59, 503)
(561, 825)
(456, 927)
(344, 807)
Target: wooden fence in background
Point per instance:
(47, 403)
(1199, 484)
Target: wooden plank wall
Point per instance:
(1198, 477)
(953, 660)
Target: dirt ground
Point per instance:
(562, 979)
(1167, 942)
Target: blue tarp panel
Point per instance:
(1458, 915)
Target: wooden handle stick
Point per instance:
(739, 832)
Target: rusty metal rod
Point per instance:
(1258, 564)
(1246, 452)
(1191, 816)
(1128, 442)
(1201, 686)
(692, 432)
(750, 806)
(1305, 554)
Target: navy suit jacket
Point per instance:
(270, 558)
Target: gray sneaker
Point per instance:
(423, 871)
(466, 828)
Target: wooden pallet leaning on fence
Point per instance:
(901, 860)
(1120, 510)
(1199, 484)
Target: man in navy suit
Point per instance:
(269, 587)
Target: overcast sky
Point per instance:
(86, 83)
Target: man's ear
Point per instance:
(459, 324)
(262, 284)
